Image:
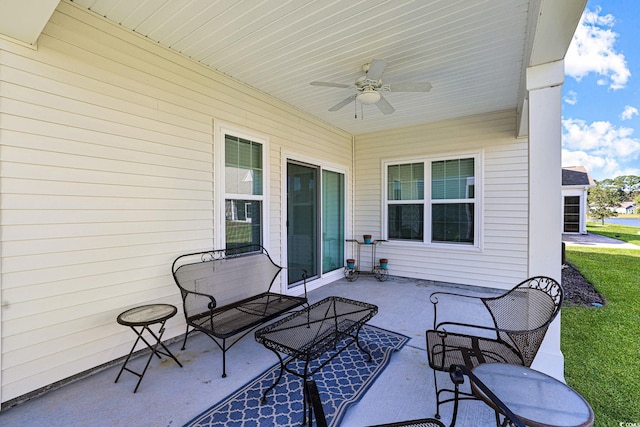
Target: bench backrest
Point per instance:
(228, 276)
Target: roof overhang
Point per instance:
(24, 20)
(474, 53)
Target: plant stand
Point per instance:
(352, 274)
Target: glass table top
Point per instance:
(535, 397)
(147, 314)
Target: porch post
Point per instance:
(544, 85)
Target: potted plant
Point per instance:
(383, 263)
(351, 263)
(367, 238)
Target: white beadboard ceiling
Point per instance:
(473, 52)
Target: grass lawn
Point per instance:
(602, 345)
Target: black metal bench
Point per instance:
(227, 293)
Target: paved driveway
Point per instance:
(596, 240)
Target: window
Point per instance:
(243, 188)
(405, 195)
(452, 201)
(447, 206)
(572, 214)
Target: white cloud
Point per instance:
(629, 112)
(599, 146)
(592, 50)
(571, 98)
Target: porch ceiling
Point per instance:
(473, 52)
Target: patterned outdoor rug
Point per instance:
(341, 383)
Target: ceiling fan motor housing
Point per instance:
(368, 96)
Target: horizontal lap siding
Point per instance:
(106, 175)
(502, 262)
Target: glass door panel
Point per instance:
(332, 220)
(302, 220)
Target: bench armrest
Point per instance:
(211, 305)
(305, 276)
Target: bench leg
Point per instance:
(224, 358)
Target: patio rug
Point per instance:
(340, 383)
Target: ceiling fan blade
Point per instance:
(410, 87)
(376, 68)
(328, 84)
(384, 105)
(344, 102)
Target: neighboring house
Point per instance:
(626, 208)
(132, 132)
(576, 182)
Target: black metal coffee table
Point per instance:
(331, 324)
(139, 319)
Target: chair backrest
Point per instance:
(523, 314)
(228, 275)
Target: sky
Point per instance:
(601, 92)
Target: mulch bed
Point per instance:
(577, 290)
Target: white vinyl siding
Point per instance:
(501, 257)
(107, 166)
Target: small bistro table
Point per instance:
(139, 319)
(309, 333)
(536, 398)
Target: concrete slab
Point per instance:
(171, 396)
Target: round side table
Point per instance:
(536, 398)
(139, 319)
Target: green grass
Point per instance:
(602, 345)
(620, 232)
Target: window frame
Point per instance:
(220, 193)
(427, 202)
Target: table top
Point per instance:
(308, 333)
(537, 398)
(146, 314)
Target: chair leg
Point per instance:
(186, 334)
(435, 384)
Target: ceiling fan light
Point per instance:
(368, 97)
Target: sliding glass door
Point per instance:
(315, 220)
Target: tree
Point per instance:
(603, 199)
(630, 184)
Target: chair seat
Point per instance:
(445, 349)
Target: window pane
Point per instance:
(332, 220)
(242, 222)
(452, 222)
(243, 166)
(405, 182)
(452, 179)
(406, 222)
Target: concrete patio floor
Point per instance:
(171, 396)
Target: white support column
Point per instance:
(544, 85)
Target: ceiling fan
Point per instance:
(370, 87)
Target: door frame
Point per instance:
(293, 156)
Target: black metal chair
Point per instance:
(520, 317)
(315, 404)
